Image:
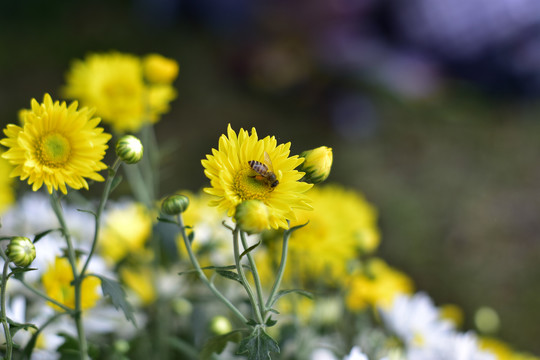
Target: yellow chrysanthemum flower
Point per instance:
(114, 83)
(377, 286)
(341, 226)
(7, 195)
(57, 282)
(140, 282)
(126, 231)
(233, 180)
(57, 145)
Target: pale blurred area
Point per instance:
(431, 108)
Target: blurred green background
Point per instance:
(440, 130)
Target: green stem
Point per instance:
(255, 274)
(46, 297)
(203, 277)
(243, 279)
(101, 207)
(77, 279)
(9, 340)
(281, 269)
(150, 162)
(136, 181)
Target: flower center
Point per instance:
(54, 150)
(250, 186)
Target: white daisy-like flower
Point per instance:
(417, 322)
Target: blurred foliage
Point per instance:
(454, 175)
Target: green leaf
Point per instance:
(118, 296)
(270, 322)
(15, 326)
(88, 212)
(294, 228)
(229, 275)
(249, 249)
(289, 291)
(116, 181)
(42, 234)
(165, 220)
(258, 345)
(18, 270)
(217, 344)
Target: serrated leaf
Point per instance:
(282, 293)
(217, 344)
(118, 296)
(258, 345)
(229, 275)
(249, 249)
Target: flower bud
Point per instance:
(159, 69)
(175, 204)
(220, 325)
(129, 149)
(21, 251)
(252, 216)
(317, 164)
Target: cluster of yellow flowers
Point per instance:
(127, 91)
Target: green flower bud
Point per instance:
(317, 164)
(252, 216)
(220, 325)
(129, 149)
(21, 251)
(175, 204)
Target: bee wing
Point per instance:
(268, 162)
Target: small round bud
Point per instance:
(317, 164)
(159, 69)
(129, 149)
(175, 204)
(21, 251)
(252, 216)
(220, 325)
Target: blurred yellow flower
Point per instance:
(7, 195)
(452, 313)
(57, 282)
(126, 230)
(377, 285)
(341, 226)
(233, 180)
(114, 84)
(159, 69)
(57, 145)
(139, 280)
(502, 350)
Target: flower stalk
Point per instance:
(202, 275)
(3, 315)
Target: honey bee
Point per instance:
(265, 170)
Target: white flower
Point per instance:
(356, 354)
(463, 346)
(322, 354)
(417, 322)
